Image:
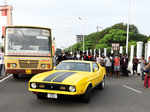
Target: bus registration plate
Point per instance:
(28, 71)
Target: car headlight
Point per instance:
(72, 89)
(33, 85)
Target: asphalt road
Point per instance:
(120, 95)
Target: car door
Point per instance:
(96, 73)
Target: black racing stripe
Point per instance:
(50, 77)
(62, 77)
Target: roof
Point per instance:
(22, 26)
(77, 61)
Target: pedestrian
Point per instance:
(58, 59)
(78, 56)
(98, 59)
(135, 62)
(117, 65)
(102, 61)
(142, 65)
(112, 66)
(85, 57)
(75, 56)
(108, 64)
(124, 65)
(147, 68)
(90, 58)
(2, 66)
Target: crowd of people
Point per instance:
(142, 68)
(116, 64)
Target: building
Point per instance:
(79, 38)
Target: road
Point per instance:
(120, 95)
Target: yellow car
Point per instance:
(70, 77)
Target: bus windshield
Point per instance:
(28, 41)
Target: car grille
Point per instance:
(58, 87)
(28, 63)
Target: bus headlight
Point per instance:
(43, 65)
(72, 89)
(33, 85)
(14, 65)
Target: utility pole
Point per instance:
(98, 27)
(82, 34)
(128, 25)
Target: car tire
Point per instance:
(86, 97)
(15, 76)
(102, 84)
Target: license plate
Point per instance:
(49, 95)
(28, 71)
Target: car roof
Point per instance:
(82, 61)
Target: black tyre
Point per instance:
(102, 84)
(15, 76)
(86, 97)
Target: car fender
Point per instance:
(103, 69)
(86, 86)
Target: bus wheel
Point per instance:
(15, 76)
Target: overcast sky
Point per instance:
(62, 16)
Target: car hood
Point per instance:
(56, 76)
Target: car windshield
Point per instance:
(76, 66)
(27, 41)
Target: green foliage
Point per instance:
(114, 34)
(148, 39)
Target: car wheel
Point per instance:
(102, 85)
(15, 76)
(86, 97)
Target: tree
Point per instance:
(114, 34)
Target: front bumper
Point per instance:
(53, 92)
(23, 71)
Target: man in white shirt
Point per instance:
(108, 64)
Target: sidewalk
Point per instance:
(1, 77)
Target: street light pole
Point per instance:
(82, 36)
(128, 25)
(127, 39)
(83, 43)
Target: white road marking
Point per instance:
(5, 78)
(135, 90)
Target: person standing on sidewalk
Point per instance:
(142, 65)
(108, 64)
(135, 62)
(117, 65)
(2, 67)
(124, 65)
